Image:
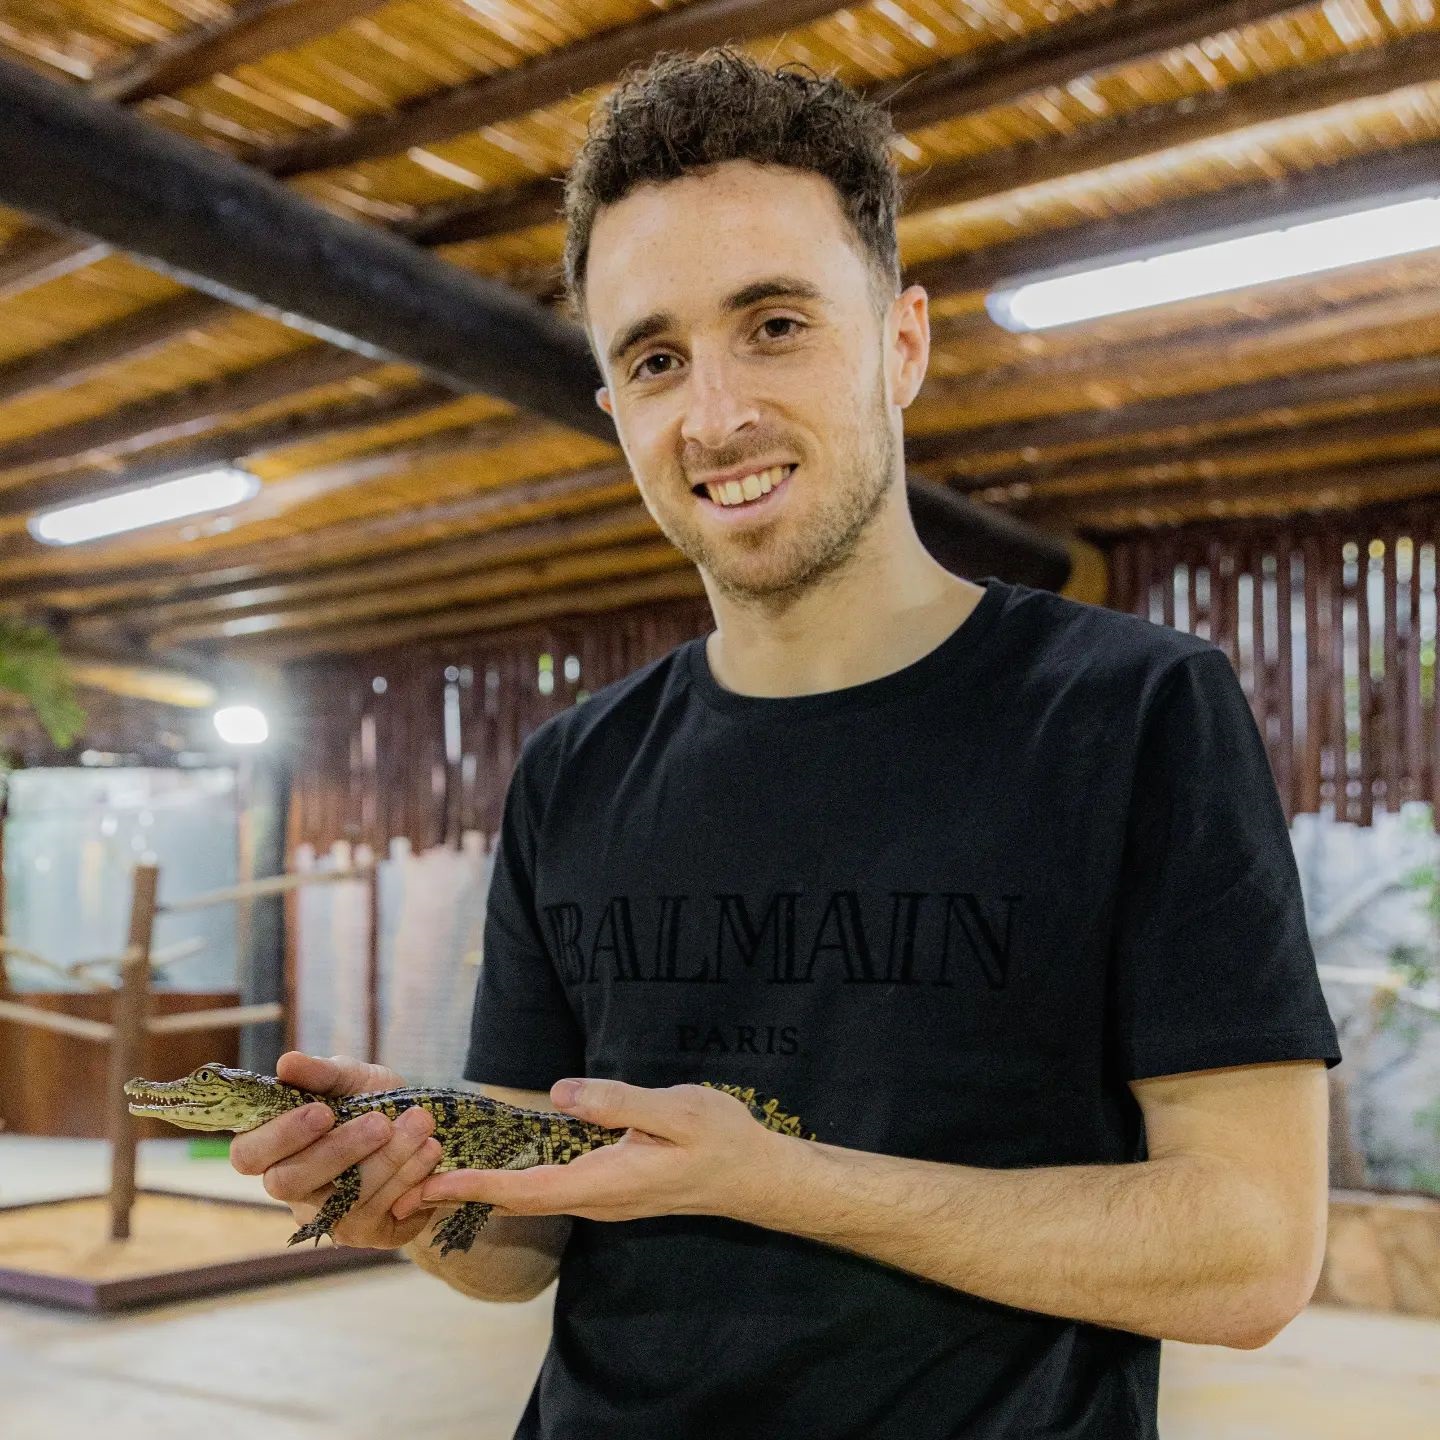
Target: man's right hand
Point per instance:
(301, 1152)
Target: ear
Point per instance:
(911, 355)
(602, 399)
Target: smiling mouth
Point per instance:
(739, 495)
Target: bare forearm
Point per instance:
(513, 1258)
(1177, 1248)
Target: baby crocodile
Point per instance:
(475, 1132)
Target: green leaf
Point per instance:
(32, 667)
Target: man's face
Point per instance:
(813, 380)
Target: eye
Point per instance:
(658, 355)
(782, 320)
(204, 1073)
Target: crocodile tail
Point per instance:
(765, 1109)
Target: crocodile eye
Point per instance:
(204, 1073)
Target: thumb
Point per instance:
(334, 1074)
(618, 1106)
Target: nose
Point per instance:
(717, 408)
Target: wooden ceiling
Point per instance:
(395, 506)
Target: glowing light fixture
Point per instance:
(1301, 249)
(242, 725)
(153, 505)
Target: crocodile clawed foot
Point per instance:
(309, 1231)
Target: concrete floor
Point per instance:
(377, 1354)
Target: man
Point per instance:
(991, 887)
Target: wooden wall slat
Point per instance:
(1345, 752)
(372, 766)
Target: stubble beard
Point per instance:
(793, 559)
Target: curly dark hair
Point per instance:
(684, 112)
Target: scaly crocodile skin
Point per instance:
(475, 1132)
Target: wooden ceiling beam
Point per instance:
(277, 497)
(994, 75)
(40, 254)
(680, 581)
(184, 413)
(501, 582)
(1175, 412)
(1284, 95)
(377, 580)
(248, 33)
(1347, 487)
(241, 236)
(1104, 39)
(229, 447)
(545, 81)
(1348, 184)
(1100, 474)
(131, 337)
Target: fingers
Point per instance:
(296, 1176)
(255, 1151)
(402, 1166)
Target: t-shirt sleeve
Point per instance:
(523, 1032)
(1212, 963)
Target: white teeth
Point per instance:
(737, 492)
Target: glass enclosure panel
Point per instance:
(72, 839)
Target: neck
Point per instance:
(886, 606)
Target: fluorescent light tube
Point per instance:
(153, 505)
(1301, 249)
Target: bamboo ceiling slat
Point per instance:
(61, 309)
(1407, 431)
(1117, 484)
(410, 49)
(386, 382)
(1265, 419)
(1208, 69)
(1298, 455)
(79, 38)
(290, 590)
(1259, 153)
(502, 582)
(296, 459)
(1346, 491)
(946, 405)
(237, 344)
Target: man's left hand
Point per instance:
(687, 1150)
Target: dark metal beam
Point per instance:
(220, 226)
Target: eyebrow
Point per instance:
(772, 287)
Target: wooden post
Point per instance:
(372, 962)
(127, 1046)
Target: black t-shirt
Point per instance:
(944, 914)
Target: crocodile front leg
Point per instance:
(345, 1194)
(458, 1231)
